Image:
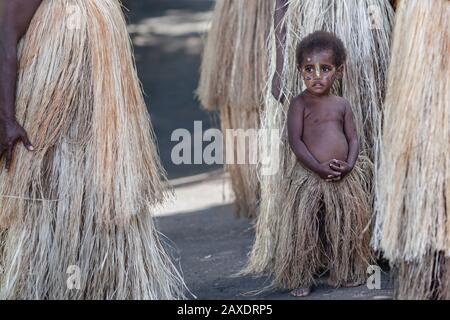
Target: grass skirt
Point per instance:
(82, 201)
(232, 80)
(413, 194)
(323, 226)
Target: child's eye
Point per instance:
(326, 69)
(308, 69)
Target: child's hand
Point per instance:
(327, 173)
(341, 166)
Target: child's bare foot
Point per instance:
(301, 292)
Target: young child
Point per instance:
(327, 209)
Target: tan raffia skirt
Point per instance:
(323, 226)
(76, 214)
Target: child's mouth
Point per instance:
(317, 85)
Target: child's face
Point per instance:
(319, 71)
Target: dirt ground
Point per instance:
(208, 243)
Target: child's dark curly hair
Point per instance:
(322, 40)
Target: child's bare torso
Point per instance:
(323, 128)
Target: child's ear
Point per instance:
(299, 68)
(340, 72)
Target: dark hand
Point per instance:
(10, 133)
(341, 166)
(327, 173)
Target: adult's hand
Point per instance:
(15, 17)
(11, 133)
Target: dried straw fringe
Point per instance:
(323, 225)
(233, 76)
(413, 194)
(215, 72)
(363, 85)
(428, 278)
(84, 197)
(234, 64)
(244, 177)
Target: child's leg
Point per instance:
(298, 254)
(323, 266)
(347, 216)
(325, 252)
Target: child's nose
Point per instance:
(317, 76)
(317, 71)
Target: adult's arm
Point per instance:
(15, 17)
(280, 40)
